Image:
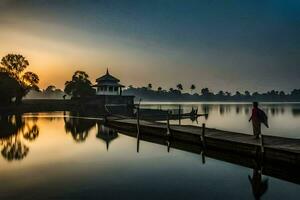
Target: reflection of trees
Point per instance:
(275, 110)
(32, 133)
(222, 109)
(10, 125)
(206, 108)
(13, 131)
(247, 110)
(14, 149)
(237, 109)
(296, 111)
(78, 127)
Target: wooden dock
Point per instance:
(277, 150)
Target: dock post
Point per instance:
(203, 156)
(179, 114)
(168, 124)
(203, 143)
(262, 144)
(138, 121)
(203, 136)
(168, 132)
(138, 144)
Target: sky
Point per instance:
(221, 44)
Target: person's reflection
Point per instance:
(259, 186)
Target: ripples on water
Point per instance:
(54, 156)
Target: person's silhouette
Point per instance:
(258, 116)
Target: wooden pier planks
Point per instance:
(277, 148)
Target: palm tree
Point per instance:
(159, 89)
(149, 86)
(179, 86)
(193, 87)
(205, 91)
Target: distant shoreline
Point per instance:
(52, 105)
(213, 102)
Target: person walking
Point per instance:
(258, 116)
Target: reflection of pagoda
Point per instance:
(106, 134)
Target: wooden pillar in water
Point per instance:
(138, 120)
(179, 114)
(168, 131)
(262, 143)
(168, 124)
(203, 136)
(203, 140)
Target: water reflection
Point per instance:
(17, 133)
(283, 117)
(106, 134)
(259, 185)
(296, 112)
(14, 132)
(78, 127)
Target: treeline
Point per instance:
(159, 94)
(16, 84)
(50, 92)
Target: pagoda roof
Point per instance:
(107, 77)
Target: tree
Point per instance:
(295, 93)
(247, 93)
(9, 88)
(205, 91)
(193, 87)
(50, 88)
(238, 94)
(13, 65)
(228, 94)
(79, 86)
(221, 93)
(179, 86)
(159, 89)
(149, 86)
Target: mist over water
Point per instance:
(283, 118)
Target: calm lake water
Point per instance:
(284, 119)
(54, 156)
